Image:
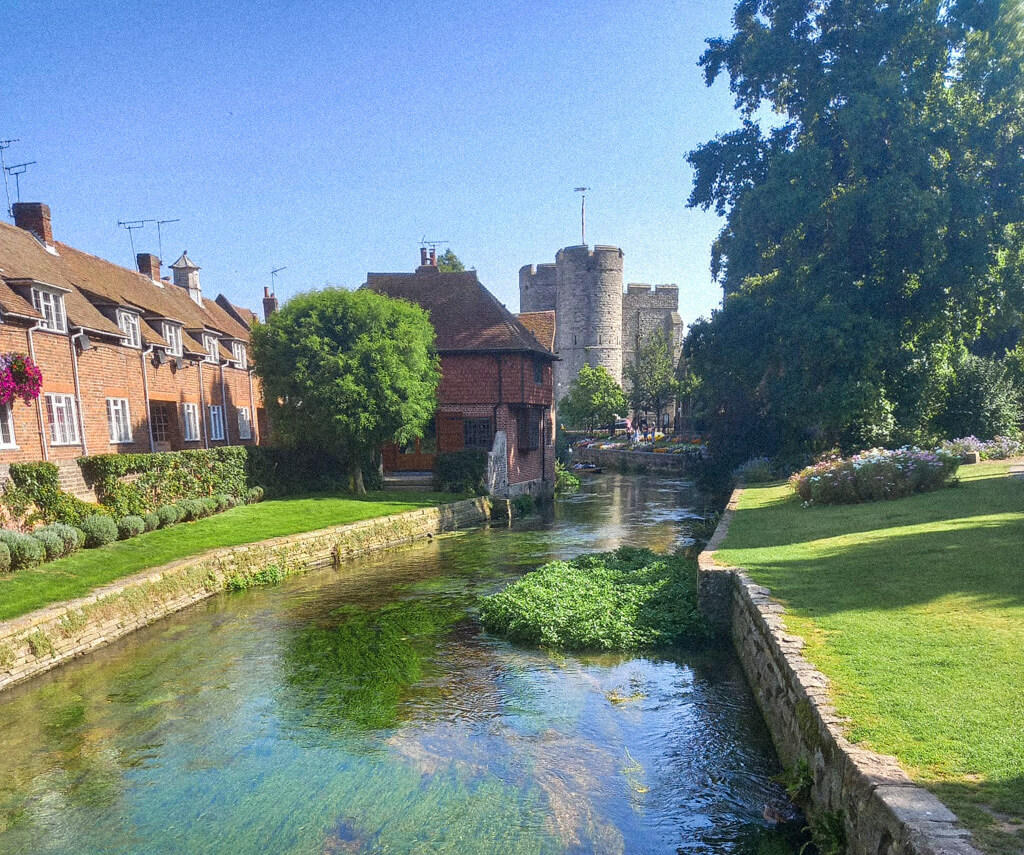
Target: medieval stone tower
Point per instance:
(595, 322)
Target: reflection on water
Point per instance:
(364, 712)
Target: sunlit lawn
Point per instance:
(915, 611)
(78, 574)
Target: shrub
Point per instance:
(152, 521)
(26, 551)
(623, 600)
(72, 537)
(757, 470)
(565, 480)
(222, 501)
(254, 495)
(99, 530)
(79, 537)
(523, 505)
(191, 509)
(874, 475)
(210, 506)
(461, 471)
(5, 558)
(169, 515)
(51, 542)
(979, 399)
(998, 448)
(130, 526)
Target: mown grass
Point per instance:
(915, 611)
(78, 574)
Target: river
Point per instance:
(365, 712)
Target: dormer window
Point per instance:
(172, 335)
(51, 306)
(212, 348)
(241, 357)
(129, 324)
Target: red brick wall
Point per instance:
(108, 370)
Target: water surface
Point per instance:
(365, 712)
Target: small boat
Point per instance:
(588, 468)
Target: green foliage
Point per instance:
(448, 262)
(978, 399)
(151, 520)
(5, 557)
(594, 399)
(828, 833)
(565, 481)
(523, 505)
(222, 502)
(756, 470)
(798, 781)
(347, 372)
(26, 551)
(51, 542)
(652, 376)
(193, 509)
(130, 526)
(629, 599)
(461, 471)
(99, 530)
(71, 538)
(254, 495)
(39, 484)
(138, 483)
(874, 475)
(269, 574)
(169, 515)
(874, 230)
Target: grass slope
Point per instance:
(78, 574)
(915, 611)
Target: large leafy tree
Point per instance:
(652, 376)
(873, 226)
(449, 262)
(345, 372)
(594, 399)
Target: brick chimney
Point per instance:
(433, 257)
(149, 265)
(423, 256)
(269, 303)
(34, 217)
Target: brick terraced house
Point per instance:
(496, 380)
(131, 362)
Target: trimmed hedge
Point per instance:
(26, 551)
(169, 515)
(130, 526)
(99, 530)
(166, 477)
(51, 542)
(152, 521)
(39, 483)
(5, 558)
(461, 471)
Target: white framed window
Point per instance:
(190, 421)
(129, 324)
(51, 306)
(119, 420)
(172, 335)
(216, 421)
(7, 439)
(241, 357)
(212, 349)
(244, 423)
(61, 412)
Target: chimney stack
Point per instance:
(433, 257)
(186, 275)
(149, 265)
(269, 303)
(423, 256)
(34, 217)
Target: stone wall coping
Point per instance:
(918, 823)
(445, 513)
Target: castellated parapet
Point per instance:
(588, 312)
(646, 309)
(537, 288)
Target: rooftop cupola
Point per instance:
(186, 275)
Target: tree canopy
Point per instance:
(345, 372)
(448, 262)
(652, 376)
(594, 399)
(874, 226)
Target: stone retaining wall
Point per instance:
(39, 641)
(883, 811)
(630, 459)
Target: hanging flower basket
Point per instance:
(20, 378)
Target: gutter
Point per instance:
(39, 401)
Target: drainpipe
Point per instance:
(78, 389)
(202, 407)
(39, 400)
(224, 408)
(254, 431)
(145, 391)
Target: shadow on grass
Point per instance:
(993, 811)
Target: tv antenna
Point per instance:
(5, 144)
(159, 237)
(132, 225)
(433, 244)
(273, 279)
(583, 212)
(17, 170)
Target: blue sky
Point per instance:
(331, 137)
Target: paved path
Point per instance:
(1017, 467)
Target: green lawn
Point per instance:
(79, 573)
(915, 611)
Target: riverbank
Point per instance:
(914, 610)
(40, 640)
(82, 572)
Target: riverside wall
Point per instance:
(41, 640)
(882, 811)
(631, 460)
